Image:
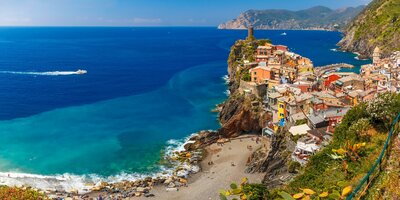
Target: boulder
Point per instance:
(194, 169)
(140, 189)
(171, 185)
(172, 189)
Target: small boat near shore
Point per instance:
(284, 33)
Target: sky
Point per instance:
(143, 12)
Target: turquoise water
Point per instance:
(146, 90)
(124, 134)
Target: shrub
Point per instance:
(246, 76)
(294, 166)
(301, 121)
(14, 193)
(255, 191)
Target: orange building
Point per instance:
(304, 61)
(260, 74)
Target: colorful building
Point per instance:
(282, 48)
(282, 114)
(260, 74)
(331, 78)
(264, 52)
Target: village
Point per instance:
(310, 102)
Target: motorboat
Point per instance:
(81, 71)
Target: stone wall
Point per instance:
(256, 89)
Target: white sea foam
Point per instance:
(84, 183)
(358, 58)
(335, 50)
(226, 79)
(227, 92)
(51, 73)
(70, 182)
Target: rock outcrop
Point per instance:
(238, 117)
(378, 25)
(271, 160)
(310, 19)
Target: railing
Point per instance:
(374, 172)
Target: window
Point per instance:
(281, 106)
(255, 78)
(282, 115)
(255, 73)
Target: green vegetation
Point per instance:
(386, 185)
(333, 172)
(241, 51)
(316, 17)
(301, 121)
(246, 191)
(14, 193)
(356, 147)
(377, 25)
(262, 42)
(294, 166)
(246, 76)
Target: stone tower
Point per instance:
(376, 56)
(250, 33)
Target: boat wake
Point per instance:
(51, 73)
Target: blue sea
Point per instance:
(145, 91)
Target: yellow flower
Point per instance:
(308, 191)
(346, 191)
(298, 195)
(324, 194)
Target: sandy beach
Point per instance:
(219, 175)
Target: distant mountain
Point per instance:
(319, 17)
(378, 25)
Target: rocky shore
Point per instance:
(186, 162)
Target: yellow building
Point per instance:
(281, 109)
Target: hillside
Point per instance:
(314, 18)
(377, 25)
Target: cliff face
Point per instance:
(378, 25)
(238, 117)
(314, 18)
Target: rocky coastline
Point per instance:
(376, 26)
(316, 18)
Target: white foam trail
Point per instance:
(52, 73)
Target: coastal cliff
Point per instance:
(241, 114)
(377, 25)
(315, 18)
